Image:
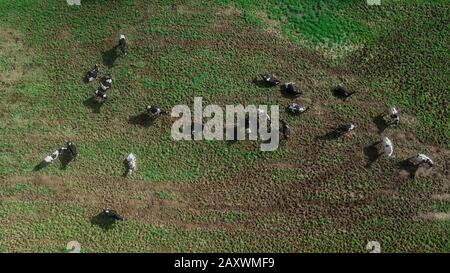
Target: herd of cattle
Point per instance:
(269, 80)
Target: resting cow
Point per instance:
(296, 109)
(346, 128)
(421, 158)
(270, 80)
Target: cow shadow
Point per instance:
(94, 104)
(41, 165)
(408, 166)
(337, 94)
(332, 135)
(142, 119)
(109, 57)
(287, 95)
(380, 123)
(372, 154)
(103, 221)
(65, 158)
(85, 78)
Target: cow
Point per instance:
(130, 162)
(123, 44)
(270, 80)
(155, 110)
(393, 114)
(54, 155)
(105, 85)
(92, 74)
(421, 159)
(292, 90)
(296, 109)
(72, 148)
(112, 214)
(285, 129)
(388, 147)
(346, 128)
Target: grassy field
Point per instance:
(311, 195)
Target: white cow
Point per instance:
(131, 163)
(388, 146)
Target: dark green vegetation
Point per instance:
(310, 195)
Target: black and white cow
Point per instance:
(291, 89)
(112, 214)
(105, 85)
(92, 74)
(155, 110)
(346, 128)
(393, 114)
(270, 80)
(296, 109)
(421, 159)
(342, 92)
(123, 44)
(72, 148)
(54, 155)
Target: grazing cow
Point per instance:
(123, 44)
(270, 80)
(72, 148)
(343, 92)
(155, 110)
(346, 128)
(393, 113)
(285, 130)
(54, 155)
(101, 94)
(106, 82)
(388, 146)
(291, 89)
(110, 213)
(92, 74)
(421, 158)
(296, 109)
(105, 85)
(131, 163)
